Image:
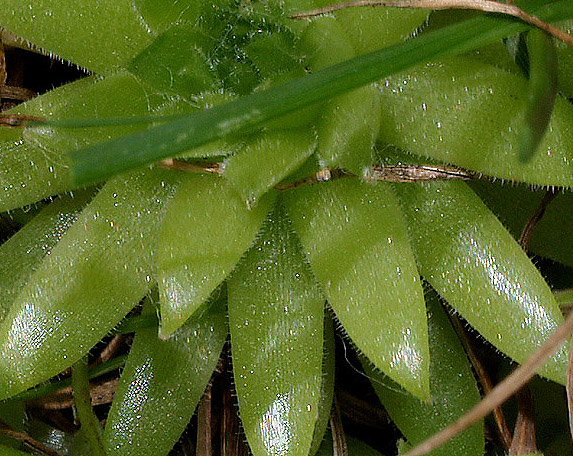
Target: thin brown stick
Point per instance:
(503, 432)
(323, 175)
(416, 173)
(192, 167)
(204, 445)
(569, 387)
(16, 93)
(488, 6)
(339, 445)
(524, 434)
(34, 445)
(17, 120)
(501, 392)
(525, 237)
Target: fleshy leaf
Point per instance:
(35, 163)
(21, 255)
(452, 385)
(162, 384)
(250, 113)
(267, 159)
(348, 129)
(474, 263)
(327, 389)
(166, 68)
(357, 243)
(541, 91)
(99, 35)
(515, 205)
(98, 271)
(206, 230)
(355, 447)
(470, 114)
(276, 318)
(8, 451)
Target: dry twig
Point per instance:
(501, 392)
(488, 6)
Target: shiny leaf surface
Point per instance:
(99, 270)
(474, 263)
(162, 384)
(356, 241)
(453, 392)
(35, 161)
(267, 159)
(276, 318)
(206, 230)
(99, 45)
(470, 114)
(22, 254)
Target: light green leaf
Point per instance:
(251, 112)
(162, 384)
(35, 163)
(514, 205)
(98, 271)
(276, 318)
(474, 263)
(206, 230)
(266, 159)
(99, 35)
(327, 389)
(452, 385)
(356, 241)
(22, 254)
(470, 114)
(541, 91)
(163, 65)
(348, 129)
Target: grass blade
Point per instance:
(101, 161)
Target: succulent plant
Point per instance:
(292, 227)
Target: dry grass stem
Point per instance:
(339, 445)
(503, 431)
(569, 388)
(525, 237)
(501, 392)
(488, 6)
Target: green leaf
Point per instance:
(163, 65)
(98, 271)
(355, 447)
(22, 254)
(35, 164)
(565, 58)
(357, 243)
(276, 318)
(470, 114)
(541, 93)
(267, 159)
(327, 388)
(249, 113)
(206, 230)
(514, 205)
(474, 263)
(452, 385)
(99, 35)
(162, 384)
(8, 451)
(348, 129)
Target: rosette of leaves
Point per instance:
(230, 253)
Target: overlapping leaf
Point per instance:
(206, 230)
(453, 392)
(356, 241)
(162, 383)
(99, 271)
(468, 113)
(276, 318)
(465, 253)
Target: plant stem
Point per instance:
(89, 422)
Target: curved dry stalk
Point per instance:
(501, 392)
(488, 6)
